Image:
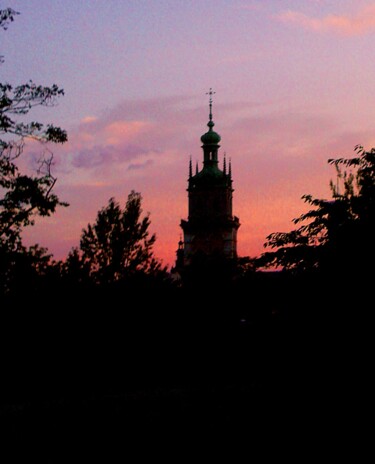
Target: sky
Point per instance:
(294, 81)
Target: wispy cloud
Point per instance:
(135, 166)
(130, 135)
(360, 23)
(99, 155)
(89, 119)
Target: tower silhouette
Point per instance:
(211, 229)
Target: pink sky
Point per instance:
(293, 81)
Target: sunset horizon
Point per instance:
(289, 96)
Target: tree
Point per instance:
(117, 246)
(336, 237)
(24, 196)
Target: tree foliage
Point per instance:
(6, 17)
(24, 271)
(24, 196)
(117, 246)
(336, 235)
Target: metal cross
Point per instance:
(210, 93)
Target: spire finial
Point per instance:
(210, 93)
(230, 168)
(190, 168)
(225, 163)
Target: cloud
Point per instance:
(142, 130)
(98, 155)
(135, 166)
(361, 23)
(89, 119)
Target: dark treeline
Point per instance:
(110, 323)
(140, 359)
(95, 347)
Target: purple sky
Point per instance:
(294, 85)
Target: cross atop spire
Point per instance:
(210, 93)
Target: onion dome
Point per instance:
(211, 137)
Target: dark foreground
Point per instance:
(104, 382)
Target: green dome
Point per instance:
(211, 137)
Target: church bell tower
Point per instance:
(211, 228)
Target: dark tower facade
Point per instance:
(211, 228)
